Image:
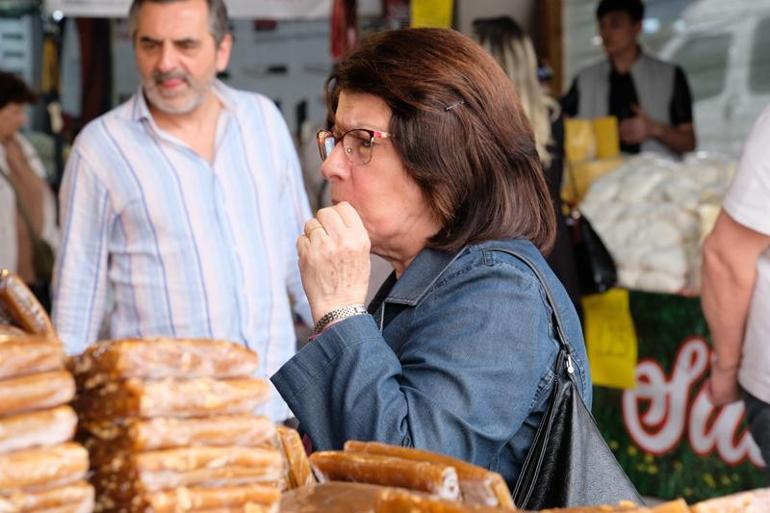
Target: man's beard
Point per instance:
(193, 96)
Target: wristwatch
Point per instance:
(337, 315)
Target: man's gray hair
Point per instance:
(218, 25)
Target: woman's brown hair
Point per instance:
(460, 130)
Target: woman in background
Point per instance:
(512, 48)
(27, 206)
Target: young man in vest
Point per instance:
(650, 98)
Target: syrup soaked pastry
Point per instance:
(477, 484)
(434, 478)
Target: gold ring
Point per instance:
(316, 226)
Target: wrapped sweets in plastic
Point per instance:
(35, 392)
(332, 497)
(755, 501)
(393, 500)
(42, 467)
(194, 499)
(298, 465)
(19, 304)
(130, 478)
(172, 398)
(158, 358)
(78, 496)
(10, 331)
(46, 427)
(136, 435)
(434, 478)
(22, 355)
(477, 485)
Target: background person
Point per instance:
(650, 98)
(432, 165)
(512, 48)
(27, 206)
(736, 289)
(185, 201)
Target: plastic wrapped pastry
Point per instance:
(298, 466)
(127, 475)
(193, 499)
(332, 497)
(477, 484)
(35, 392)
(46, 427)
(172, 398)
(159, 358)
(24, 355)
(75, 495)
(7, 330)
(393, 500)
(755, 501)
(61, 464)
(434, 478)
(19, 304)
(136, 435)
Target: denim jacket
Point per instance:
(459, 359)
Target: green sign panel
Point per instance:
(666, 434)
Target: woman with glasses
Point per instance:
(433, 166)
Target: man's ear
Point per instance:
(223, 52)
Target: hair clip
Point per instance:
(457, 104)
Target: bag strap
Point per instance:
(558, 323)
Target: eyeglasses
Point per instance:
(357, 144)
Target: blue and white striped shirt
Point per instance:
(188, 248)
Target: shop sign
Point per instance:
(665, 432)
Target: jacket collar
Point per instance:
(421, 274)
(430, 265)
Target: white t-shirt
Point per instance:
(8, 236)
(748, 203)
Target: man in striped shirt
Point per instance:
(184, 203)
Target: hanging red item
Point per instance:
(344, 27)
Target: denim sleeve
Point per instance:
(472, 363)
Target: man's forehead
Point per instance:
(170, 18)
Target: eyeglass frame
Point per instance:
(373, 134)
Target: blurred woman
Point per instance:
(512, 48)
(433, 166)
(27, 207)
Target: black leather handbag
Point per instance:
(569, 463)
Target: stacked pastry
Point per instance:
(414, 469)
(169, 425)
(41, 470)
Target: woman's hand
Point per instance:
(334, 259)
